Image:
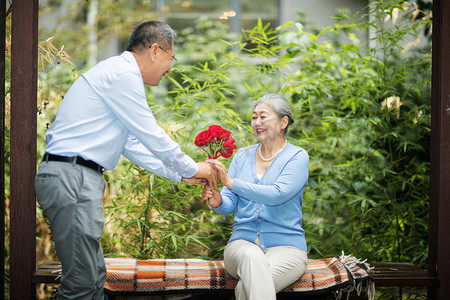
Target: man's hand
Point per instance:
(194, 180)
(207, 171)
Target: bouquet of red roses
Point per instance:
(216, 142)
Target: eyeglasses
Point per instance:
(174, 60)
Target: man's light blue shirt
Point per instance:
(269, 208)
(105, 114)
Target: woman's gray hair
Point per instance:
(146, 34)
(279, 104)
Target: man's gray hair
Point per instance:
(279, 104)
(146, 34)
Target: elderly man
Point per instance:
(105, 115)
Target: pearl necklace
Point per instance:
(269, 159)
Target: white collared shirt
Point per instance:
(105, 114)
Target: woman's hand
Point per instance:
(213, 195)
(222, 173)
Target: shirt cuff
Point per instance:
(177, 178)
(191, 173)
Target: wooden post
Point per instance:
(24, 45)
(439, 242)
(2, 142)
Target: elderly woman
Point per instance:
(264, 188)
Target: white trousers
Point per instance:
(263, 273)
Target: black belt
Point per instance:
(74, 160)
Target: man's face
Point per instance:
(159, 64)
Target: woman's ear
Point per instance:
(284, 122)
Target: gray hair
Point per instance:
(146, 34)
(279, 104)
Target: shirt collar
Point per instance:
(129, 57)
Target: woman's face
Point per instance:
(266, 124)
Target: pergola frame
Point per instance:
(439, 228)
(23, 150)
(24, 60)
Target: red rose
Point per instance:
(229, 147)
(227, 152)
(216, 131)
(229, 143)
(216, 142)
(203, 138)
(225, 134)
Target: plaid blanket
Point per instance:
(127, 276)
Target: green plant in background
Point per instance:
(362, 112)
(381, 173)
(363, 117)
(148, 227)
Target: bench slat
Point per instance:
(400, 274)
(47, 272)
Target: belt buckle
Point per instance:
(100, 169)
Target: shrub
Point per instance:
(363, 116)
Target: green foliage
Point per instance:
(363, 116)
(365, 120)
(362, 112)
(149, 225)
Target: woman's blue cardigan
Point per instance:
(269, 208)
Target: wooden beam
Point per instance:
(24, 45)
(439, 242)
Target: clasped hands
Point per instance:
(208, 175)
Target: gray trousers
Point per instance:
(263, 273)
(71, 197)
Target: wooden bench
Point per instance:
(49, 271)
(401, 274)
(385, 274)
